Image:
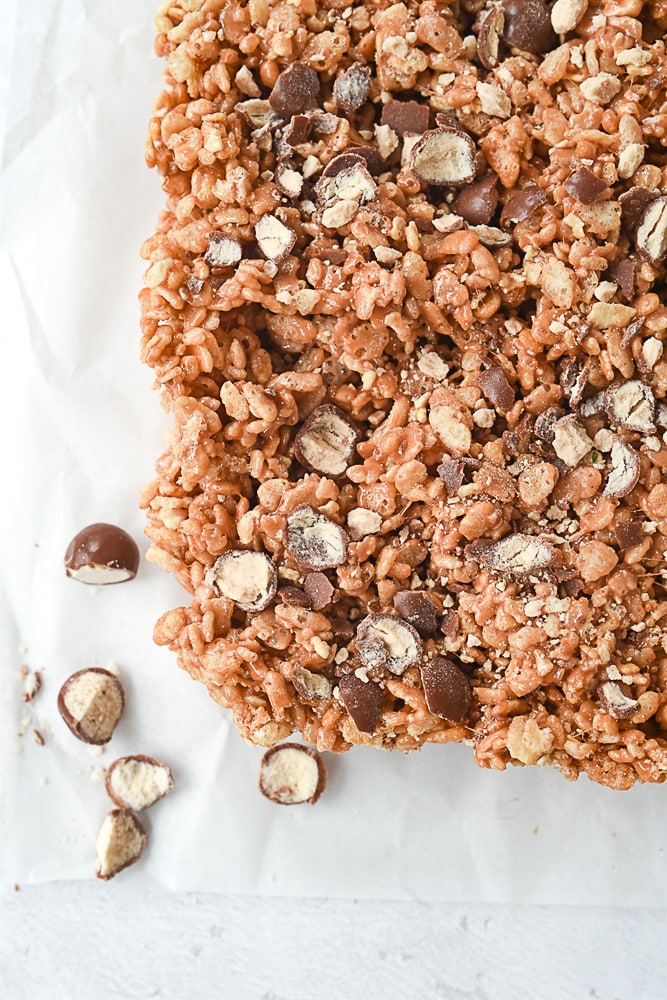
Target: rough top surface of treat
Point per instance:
(368, 384)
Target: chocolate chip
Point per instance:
(573, 587)
(296, 89)
(495, 386)
(319, 590)
(628, 535)
(120, 843)
(298, 130)
(651, 232)
(446, 689)
(247, 578)
(291, 774)
(91, 703)
(584, 186)
(489, 36)
(623, 273)
(343, 630)
(102, 554)
(293, 596)
(326, 442)
(522, 205)
(545, 423)
(405, 117)
(363, 701)
(450, 624)
(477, 202)
(311, 686)
(616, 702)
(313, 540)
(417, 608)
(444, 157)
(137, 782)
(351, 88)
(451, 473)
(528, 26)
(634, 203)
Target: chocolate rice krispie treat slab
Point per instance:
(405, 309)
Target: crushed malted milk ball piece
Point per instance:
(248, 578)
(120, 843)
(91, 703)
(315, 541)
(362, 522)
(291, 774)
(326, 442)
(137, 782)
(386, 642)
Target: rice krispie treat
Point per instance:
(405, 309)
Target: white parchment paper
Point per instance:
(80, 430)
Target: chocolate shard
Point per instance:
(494, 384)
(91, 703)
(634, 203)
(102, 554)
(628, 535)
(319, 590)
(624, 274)
(296, 89)
(387, 642)
(527, 26)
(362, 700)
(417, 608)
(446, 689)
(405, 117)
(245, 577)
(351, 88)
(522, 205)
(298, 130)
(291, 774)
(477, 202)
(585, 186)
(489, 36)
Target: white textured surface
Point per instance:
(92, 942)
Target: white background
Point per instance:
(77, 203)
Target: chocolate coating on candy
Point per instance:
(405, 117)
(102, 554)
(363, 701)
(585, 186)
(446, 689)
(528, 26)
(120, 843)
(137, 782)
(248, 578)
(418, 610)
(389, 643)
(326, 442)
(522, 204)
(477, 201)
(295, 90)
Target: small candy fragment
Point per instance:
(137, 782)
(248, 578)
